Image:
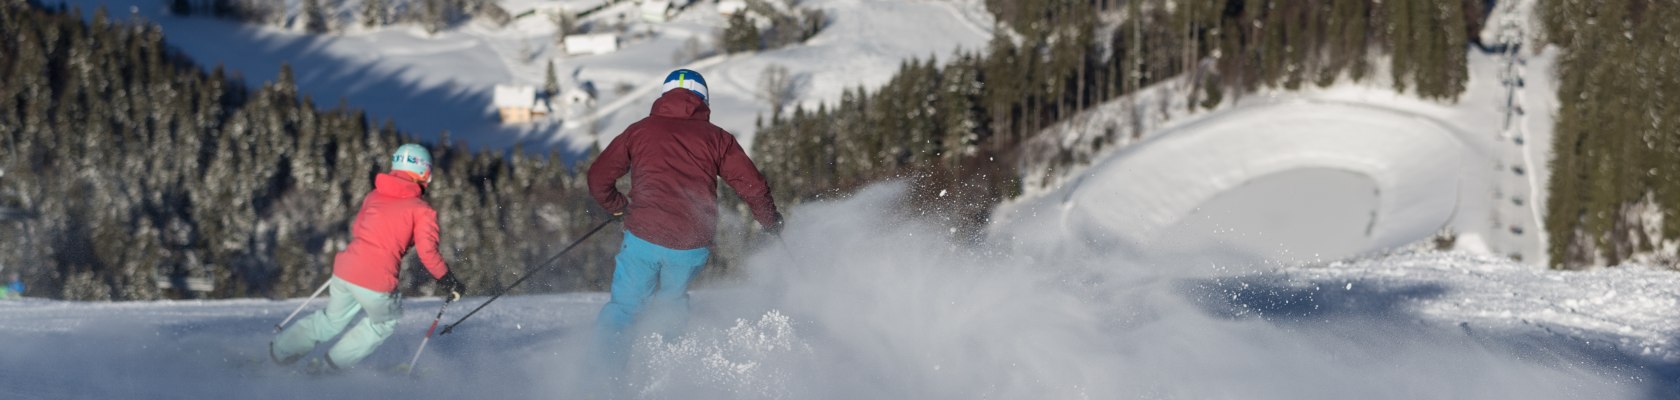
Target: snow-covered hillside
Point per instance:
(1475, 167)
(864, 305)
(432, 83)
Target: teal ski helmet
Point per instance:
(413, 158)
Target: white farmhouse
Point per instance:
(593, 43)
(731, 7)
(519, 103)
(657, 10)
(576, 101)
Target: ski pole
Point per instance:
(785, 250)
(422, 349)
(528, 274)
(282, 325)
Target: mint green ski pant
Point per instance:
(383, 311)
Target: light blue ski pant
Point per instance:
(651, 278)
(383, 311)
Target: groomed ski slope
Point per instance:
(863, 304)
(1139, 195)
(1484, 153)
(1473, 166)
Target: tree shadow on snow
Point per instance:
(1274, 299)
(1372, 314)
(423, 109)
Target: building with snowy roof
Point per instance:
(590, 44)
(520, 104)
(576, 101)
(731, 7)
(657, 10)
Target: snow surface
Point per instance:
(861, 304)
(1134, 196)
(433, 83)
(1193, 260)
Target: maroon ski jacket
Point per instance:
(674, 157)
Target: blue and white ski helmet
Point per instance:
(687, 79)
(413, 158)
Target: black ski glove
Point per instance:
(775, 227)
(452, 288)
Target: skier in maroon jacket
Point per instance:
(674, 157)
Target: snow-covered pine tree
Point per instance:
(551, 82)
(315, 17)
(138, 167)
(375, 13)
(741, 35)
(1612, 139)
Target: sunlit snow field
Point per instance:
(431, 83)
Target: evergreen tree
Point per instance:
(1614, 142)
(1356, 37)
(375, 13)
(317, 18)
(1453, 44)
(741, 35)
(1402, 42)
(433, 16)
(551, 83)
(180, 7)
(962, 120)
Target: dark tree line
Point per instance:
(781, 27)
(317, 16)
(136, 167)
(139, 167)
(1615, 183)
(959, 124)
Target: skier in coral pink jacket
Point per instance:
(393, 217)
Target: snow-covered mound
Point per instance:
(1141, 193)
(861, 304)
(1165, 179)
